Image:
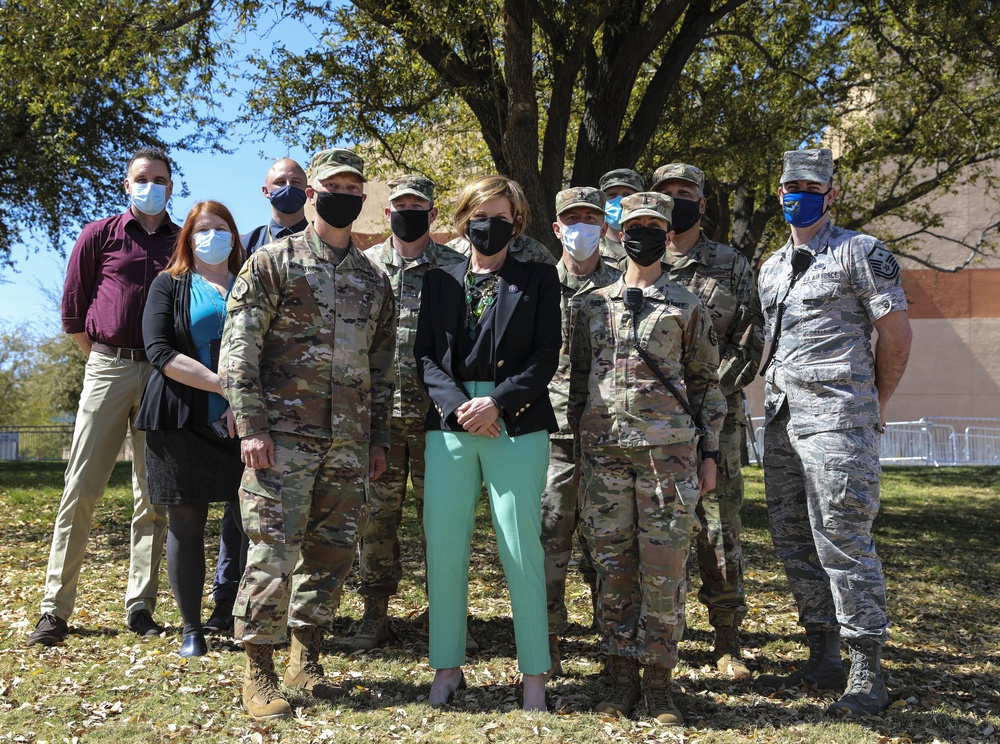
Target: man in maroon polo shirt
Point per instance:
(107, 280)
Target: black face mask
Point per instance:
(645, 245)
(409, 225)
(685, 214)
(490, 236)
(336, 209)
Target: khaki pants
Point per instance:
(112, 391)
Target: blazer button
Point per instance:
(500, 363)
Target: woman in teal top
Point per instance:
(192, 454)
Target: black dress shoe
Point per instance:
(193, 644)
(221, 620)
(142, 624)
(49, 631)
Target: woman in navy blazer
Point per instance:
(487, 345)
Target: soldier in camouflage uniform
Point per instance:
(406, 256)
(306, 364)
(724, 282)
(616, 185)
(823, 293)
(580, 226)
(640, 481)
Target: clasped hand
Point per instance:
(479, 416)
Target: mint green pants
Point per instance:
(514, 471)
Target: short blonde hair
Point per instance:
(485, 189)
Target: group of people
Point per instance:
(304, 383)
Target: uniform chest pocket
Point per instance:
(323, 290)
(819, 291)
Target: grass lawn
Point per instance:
(937, 535)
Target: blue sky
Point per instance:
(233, 179)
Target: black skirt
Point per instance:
(192, 466)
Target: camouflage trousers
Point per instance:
(822, 497)
(560, 518)
(379, 567)
(720, 556)
(637, 511)
(303, 518)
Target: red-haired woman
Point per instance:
(192, 454)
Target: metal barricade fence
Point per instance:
(44, 443)
(933, 440)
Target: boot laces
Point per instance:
(862, 675)
(658, 695)
(371, 621)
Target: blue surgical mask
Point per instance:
(613, 213)
(213, 246)
(149, 198)
(803, 208)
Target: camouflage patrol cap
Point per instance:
(326, 163)
(580, 196)
(808, 165)
(412, 183)
(681, 171)
(649, 203)
(621, 177)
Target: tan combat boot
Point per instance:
(659, 703)
(555, 656)
(304, 670)
(373, 629)
(626, 687)
(728, 656)
(261, 696)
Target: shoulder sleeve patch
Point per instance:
(713, 335)
(240, 289)
(883, 263)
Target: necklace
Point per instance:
(213, 292)
(479, 297)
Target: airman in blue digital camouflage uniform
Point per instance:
(827, 389)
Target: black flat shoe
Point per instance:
(193, 645)
(221, 620)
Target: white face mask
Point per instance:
(581, 240)
(213, 246)
(149, 198)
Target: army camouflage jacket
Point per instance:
(308, 344)
(615, 399)
(572, 289)
(824, 366)
(407, 278)
(611, 251)
(722, 279)
(523, 248)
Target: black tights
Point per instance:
(186, 559)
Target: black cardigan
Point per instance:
(166, 332)
(527, 338)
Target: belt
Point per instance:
(136, 355)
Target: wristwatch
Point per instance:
(711, 455)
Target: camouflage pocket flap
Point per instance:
(830, 372)
(266, 482)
